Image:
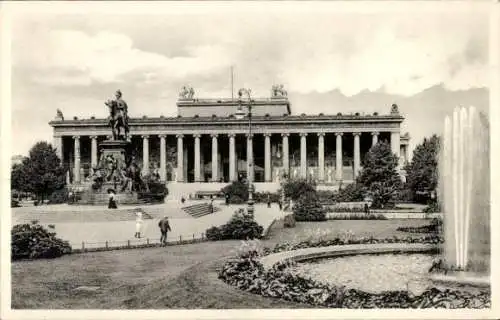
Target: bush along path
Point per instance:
(33, 241)
(247, 273)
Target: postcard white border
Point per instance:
(10, 10)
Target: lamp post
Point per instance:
(240, 114)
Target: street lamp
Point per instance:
(240, 114)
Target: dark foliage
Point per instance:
(40, 173)
(436, 226)
(59, 196)
(247, 273)
(33, 241)
(422, 171)
(295, 188)
(262, 197)
(241, 226)
(308, 208)
(432, 207)
(237, 191)
(289, 221)
(379, 177)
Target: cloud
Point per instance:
(401, 53)
(72, 58)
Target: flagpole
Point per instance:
(232, 83)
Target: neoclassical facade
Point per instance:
(206, 142)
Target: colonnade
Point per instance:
(395, 146)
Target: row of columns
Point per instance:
(395, 146)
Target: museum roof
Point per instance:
(291, 119)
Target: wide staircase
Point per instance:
(200, 209)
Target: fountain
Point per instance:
(465, 194)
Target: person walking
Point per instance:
(112, 201)
(268, 200)
(138, 223)
(164, 228)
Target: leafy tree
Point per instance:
(43, 170)
(237, 191)
(19, 180)
(422, 171)
(308, 208)
(294, 188)
(379, 176)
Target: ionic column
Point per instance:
(250, 165)
(357, 152)
(76, 170)
(395, 143)
(58, 146)
(286, 159)
(197, 158)
(232, 157)
(180, 158)
(374, 138)
(215, 160)
(163, 157)
(267, 157)
(93, 152)
(145, 154)
(321, 157)
(303, 155)
(338, 156)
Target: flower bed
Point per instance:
(355, 216)
(248, 274)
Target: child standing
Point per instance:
(138, 223)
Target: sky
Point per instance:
(329, 61)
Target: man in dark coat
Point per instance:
(164, 228)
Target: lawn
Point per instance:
(171, 277)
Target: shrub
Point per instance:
(59, 196)
(432, 207)
(261, 197)
(214, 233)
(237, 191)
(308, 208)
(295, 188)
(241, 226)
(33, 241)
(358, 216)
(350, 193)
(289, 221)
(379, 176)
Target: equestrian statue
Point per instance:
(118, 117)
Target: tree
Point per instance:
(19, 180)
(309, 208)
(44, 171)
(422, 172)
(379, 176)
(294, 188)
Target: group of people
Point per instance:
(163, 224)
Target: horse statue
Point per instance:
(186, 93)
(118, 117)
(278, 91)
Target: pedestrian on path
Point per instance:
(138, 223)
(112, 201)
(164, 228)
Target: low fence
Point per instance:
(96, 246)
(387, 214)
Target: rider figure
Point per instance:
(121, 104)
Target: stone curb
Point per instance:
(345, 250)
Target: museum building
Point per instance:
(209, 141)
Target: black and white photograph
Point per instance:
(192, 159)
